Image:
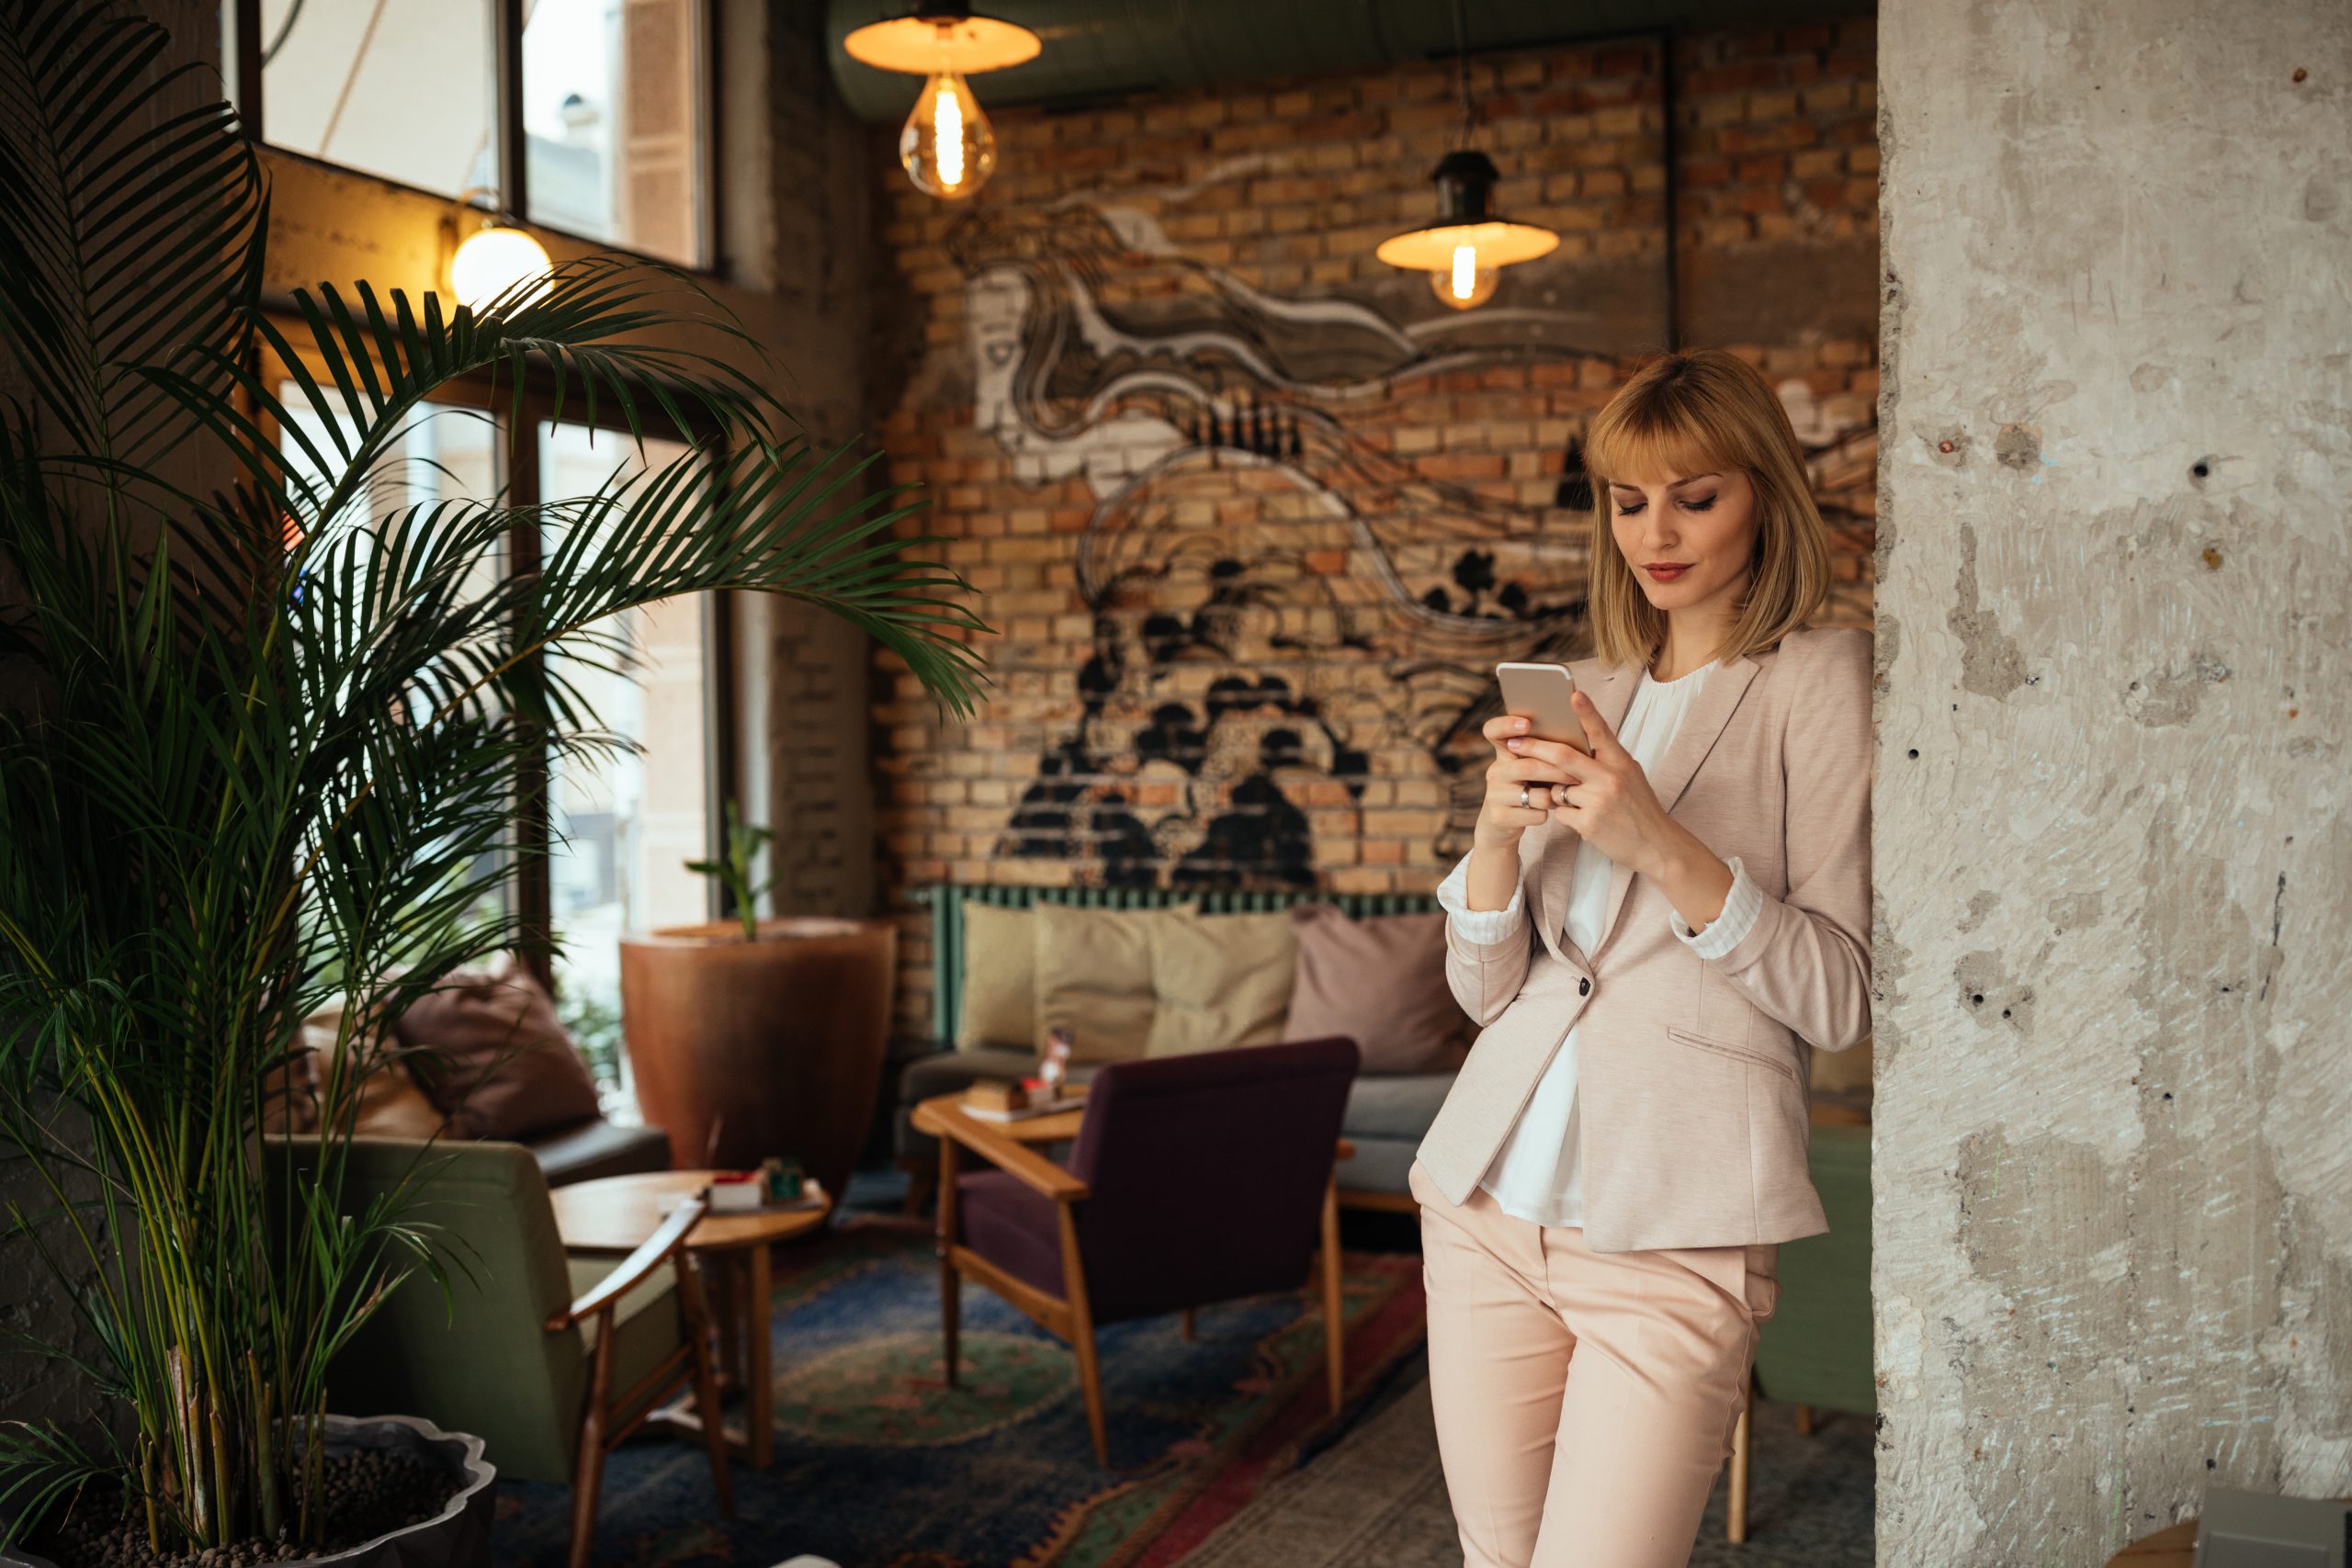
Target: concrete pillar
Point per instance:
(2113, 1182)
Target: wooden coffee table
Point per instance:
(616, 1214)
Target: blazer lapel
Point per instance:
(1700, 730)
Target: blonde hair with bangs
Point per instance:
(1704, 412)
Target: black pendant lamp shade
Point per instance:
(1466, 217)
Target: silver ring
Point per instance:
(1524, 802)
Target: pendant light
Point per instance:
(1470, 242)
(488, 259)
(945, 145)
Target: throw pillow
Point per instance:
(1094, 977)
(1219, 981)
(1381, 982)
(489, 1052)
(1000, 1005)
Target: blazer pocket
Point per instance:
(1741, 1052)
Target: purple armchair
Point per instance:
(1195, 1179)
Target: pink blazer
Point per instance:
(1691, 1073)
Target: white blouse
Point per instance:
(1538, 1175)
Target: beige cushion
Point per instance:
(1381, 982)
(1000, 979)
(385, 1103)
(1219, 981)
(1094, 977)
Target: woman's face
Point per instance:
(1703, 524)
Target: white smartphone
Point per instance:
(1540, 694)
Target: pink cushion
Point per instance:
(498, 1063)
(1381, 982)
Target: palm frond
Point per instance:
(270, 733)
(104, 179)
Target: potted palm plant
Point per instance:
(752, 1037)
(259, 746)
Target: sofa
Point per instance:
(1388, 1112)
(483, 1059)
(1187, 989)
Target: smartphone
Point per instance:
(1539, 694)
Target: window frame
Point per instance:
(505, 20)
(516, 470)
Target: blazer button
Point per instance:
(1584, 987)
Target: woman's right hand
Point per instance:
(1502, 819)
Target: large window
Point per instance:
(591, 117)
(627, 821)
(623, 822)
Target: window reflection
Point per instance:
(399, 88)
(613, 114)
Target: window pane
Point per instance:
(443, 454)
(613, 110)
(397, 89)
(627, 823)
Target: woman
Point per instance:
(1648, 929)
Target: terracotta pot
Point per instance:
(747, 1049)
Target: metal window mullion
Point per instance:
(506, 106)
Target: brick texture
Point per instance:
(1252, 514)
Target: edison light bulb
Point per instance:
(1465, 283)
(947, 144)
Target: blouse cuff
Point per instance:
(1476, 925)
(1742, 906)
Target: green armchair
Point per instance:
(1815, 1352)
(550, 1360)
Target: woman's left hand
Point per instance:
(1607, 801)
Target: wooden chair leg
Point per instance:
(706, 1405)
(759, 1374)
(722, 1297)
(1736, 1504)
(588, 1469)
(1190, 1333)
(1081, 1335)
(951, 1284)
(1335, 1316)
(922, 1180)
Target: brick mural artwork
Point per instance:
(1255, 515)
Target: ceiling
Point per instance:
(1107, 49)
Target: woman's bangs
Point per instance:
(1648, 447)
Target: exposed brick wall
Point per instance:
(813, 665)
(1254, 662)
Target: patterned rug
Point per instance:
(879, 1464)
(1377, 1499)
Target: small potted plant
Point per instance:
(751, 1037)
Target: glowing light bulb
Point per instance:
(492, 261)
(1465, 283)
(946, 145)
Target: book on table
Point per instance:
(1023, 1112)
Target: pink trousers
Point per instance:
(1585, 1400)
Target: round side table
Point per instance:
(614, 1214)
